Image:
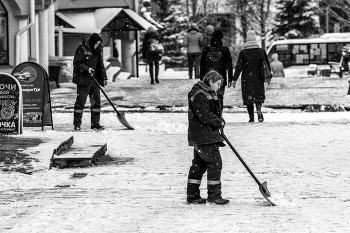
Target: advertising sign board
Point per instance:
(36, 94)
(10, 105)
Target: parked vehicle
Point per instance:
(328, 49)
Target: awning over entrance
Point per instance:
(103, 19)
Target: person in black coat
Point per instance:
(252, 83)
(150, 57)
(225, 69)
(205, 120)
(88, 62)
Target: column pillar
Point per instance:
(23, 54)
(51, 22)
(127, 51)
(43, 39)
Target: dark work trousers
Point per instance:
(154, 74)
(193, 59)
(207, 158)
(83, 92)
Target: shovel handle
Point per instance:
(104, 93)
(239, 157)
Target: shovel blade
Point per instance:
(265, 192)
(121, 118)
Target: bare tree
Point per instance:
(259, 16)
(205, 6)
(253, 14)
(341, 6)
(188, 7)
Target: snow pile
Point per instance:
(165, 127)
(280, 200)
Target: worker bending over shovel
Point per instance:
(205, 120)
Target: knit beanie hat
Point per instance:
(251, 36)
(215, 42)
(93, 40)
(218, 34)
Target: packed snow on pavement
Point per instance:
(302, 156)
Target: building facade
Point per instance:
(40, 30)
(25, 32)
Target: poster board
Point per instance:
(34, 81)
(11, 111)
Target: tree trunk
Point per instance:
(188, 7)
(205, 5)
(194, 8)
(262, 25)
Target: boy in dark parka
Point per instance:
(205, 120)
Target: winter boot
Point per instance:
(193, 192)
(152, 78)
(156, 72)
(97, 126)
(251, 118)
(214, 190)
(195, 200)
(214, 193)
(250, 109)
(220, 201)
(260, 115)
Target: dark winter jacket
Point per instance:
(204, 116)
(206, 39)
(149, 57)
(226, 64)
(252, 84)
(83, 60)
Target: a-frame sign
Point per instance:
(36, 94)
(11, 112)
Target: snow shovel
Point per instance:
(120, 115)
(262, 186)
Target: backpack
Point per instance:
(213, 60)
(155, 48)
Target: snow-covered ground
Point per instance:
(304, 157)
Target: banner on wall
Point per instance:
(34, 81)
(11, 118)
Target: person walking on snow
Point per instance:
(277, 68)
(150, 54)
(205, 120)
(252, 83)
(217, 57)
(193, 40)
(88, 62)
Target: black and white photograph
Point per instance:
(157, 116)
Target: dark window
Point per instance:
(318, 53)
(300, 54)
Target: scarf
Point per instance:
(250, 45)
